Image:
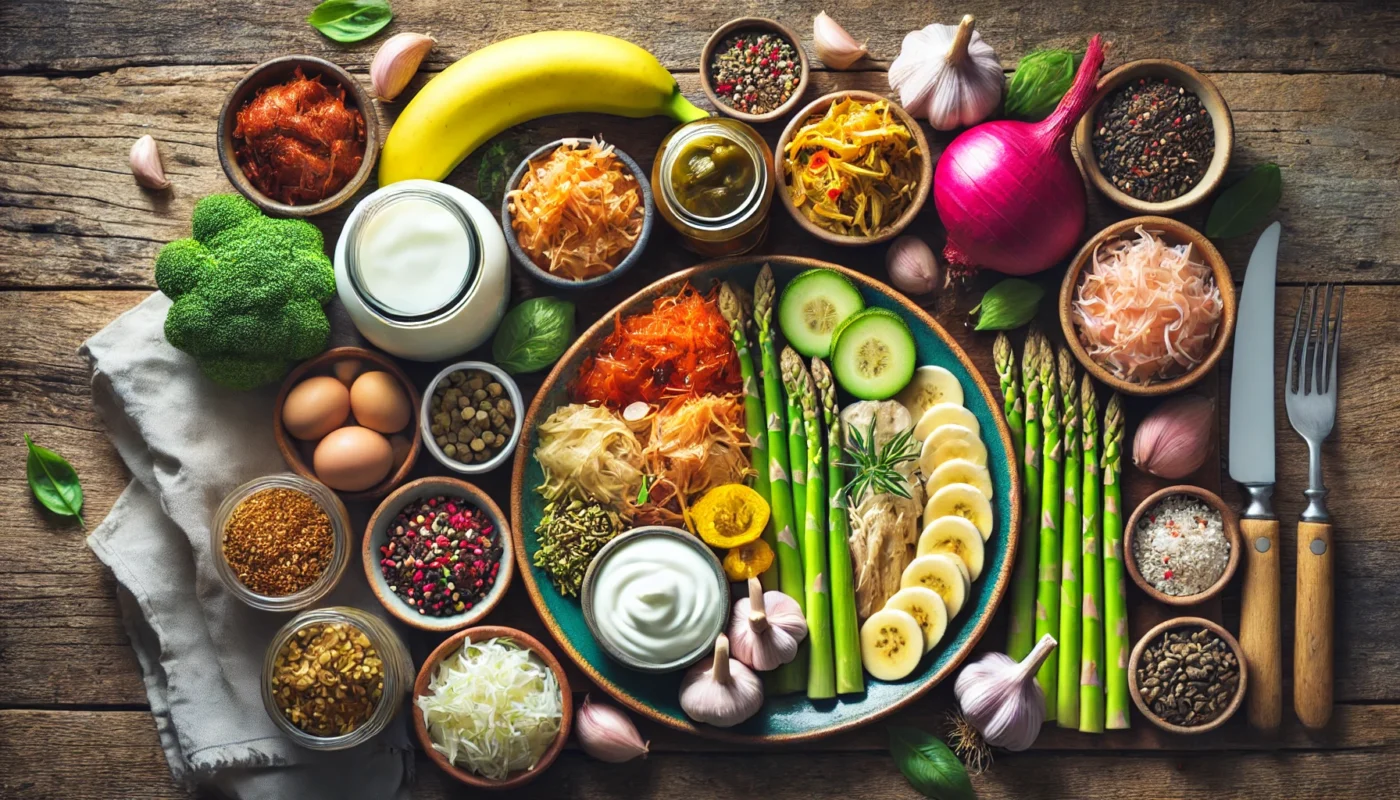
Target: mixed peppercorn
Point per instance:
(442, 555)
(755, 72)
(1153, 139)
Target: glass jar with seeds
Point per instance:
(472, 417)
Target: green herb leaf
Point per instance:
(1009, 304)
(533, 335)
(497, 163)
(54, 482)
(1040, 81)
(929, 766)
(1245, 205)
(350, 20)
(875, 470)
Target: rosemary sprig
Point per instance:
(875, 468)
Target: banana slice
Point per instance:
(891, 644)
(967, 449)
(945, 414)
(931, 385)
(926, 607)
(961, 500)
(942, 435)
(942, 573)
(956, 536)
(960, 471)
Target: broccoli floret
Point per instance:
(248, 292)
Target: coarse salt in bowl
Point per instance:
(1162, 538)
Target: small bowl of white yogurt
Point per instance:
(655, 598)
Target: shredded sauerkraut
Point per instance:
(492, 707)
(589, 454)
(695, 444)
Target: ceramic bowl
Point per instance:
(761, 25)
(450, 647)
(1229, 521)
(280, 70)
(1173, 233)
(377, 536)
(425, 418)
(1214, 104)
(628, 261)
(890, 230)
(1186, 622)
(297, 453)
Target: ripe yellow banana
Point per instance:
(517, 80)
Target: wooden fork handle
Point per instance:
(1259, 623)
(1312, 626)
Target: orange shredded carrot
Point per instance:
(578, 211)
(695, 444)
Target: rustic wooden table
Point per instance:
(1313, 87)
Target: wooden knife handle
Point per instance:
(1259, 623)
(1312, 626)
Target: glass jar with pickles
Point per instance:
(713, 184)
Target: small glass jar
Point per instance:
(340, 552)
(398, 675)
(728, 234)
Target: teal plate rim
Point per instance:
(792, 713)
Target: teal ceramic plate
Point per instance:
(794, 717)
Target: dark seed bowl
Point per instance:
(1141, 691)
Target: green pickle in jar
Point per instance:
(713, 176)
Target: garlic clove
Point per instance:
(723, 693)
(607, 734)
(1173, 440)
(913, 267)
(835, 47)
(396, 62)
(146, 166)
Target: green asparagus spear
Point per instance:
(1005, 358)
(797, 445)
(737, 311)
(1047, 601)
(1071, 555)
(821, 680)
(845, 627)
(1115, 598)
(1091, 697)
(1023, 580)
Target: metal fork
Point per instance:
(1310, 394)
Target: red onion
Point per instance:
(1009, 193)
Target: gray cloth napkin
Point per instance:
(188, 443)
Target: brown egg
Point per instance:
(380, 403)
(346, 369)
(352, 459)
(315, 407)
(401, 445)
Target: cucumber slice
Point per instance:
(813, 305)
(873, 354)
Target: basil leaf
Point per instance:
(1244, 206)
(1039, 82)
(1009, 304)
(534, 335)
(497, 163)
(54, 482)
(350, 20)
(929, 766)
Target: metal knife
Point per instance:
(1252, 464)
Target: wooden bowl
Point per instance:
(891, 230)
(759, 24)
(292, 453)
(280, 70)
(450, 646)
(1187, 622)
(377, 535)
(1229, 521)
(1215, 105)
(1174, 233)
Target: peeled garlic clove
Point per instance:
(607, 734)
(145, 164)
(1174, 439)
(913, 267)
(396, 63)
(835, 47)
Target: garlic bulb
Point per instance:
(948, 75)
(913, 268)
(1002, 699)
(607, 734)
(396, 62)
(836, 48)
(766, 628)
(1173, 440)
(145, 164)
(724, 693)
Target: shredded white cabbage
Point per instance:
(492, 708)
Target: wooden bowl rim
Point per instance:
(902, 221)
(256, 79)
(1220, 272)
(481, 633)
(397, 607)
(1182, 622)
(289, 450)
(774, 26)
(1215, 105)
(1229, 520)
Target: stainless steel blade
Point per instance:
(1252, 378)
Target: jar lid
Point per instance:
(714, 128)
